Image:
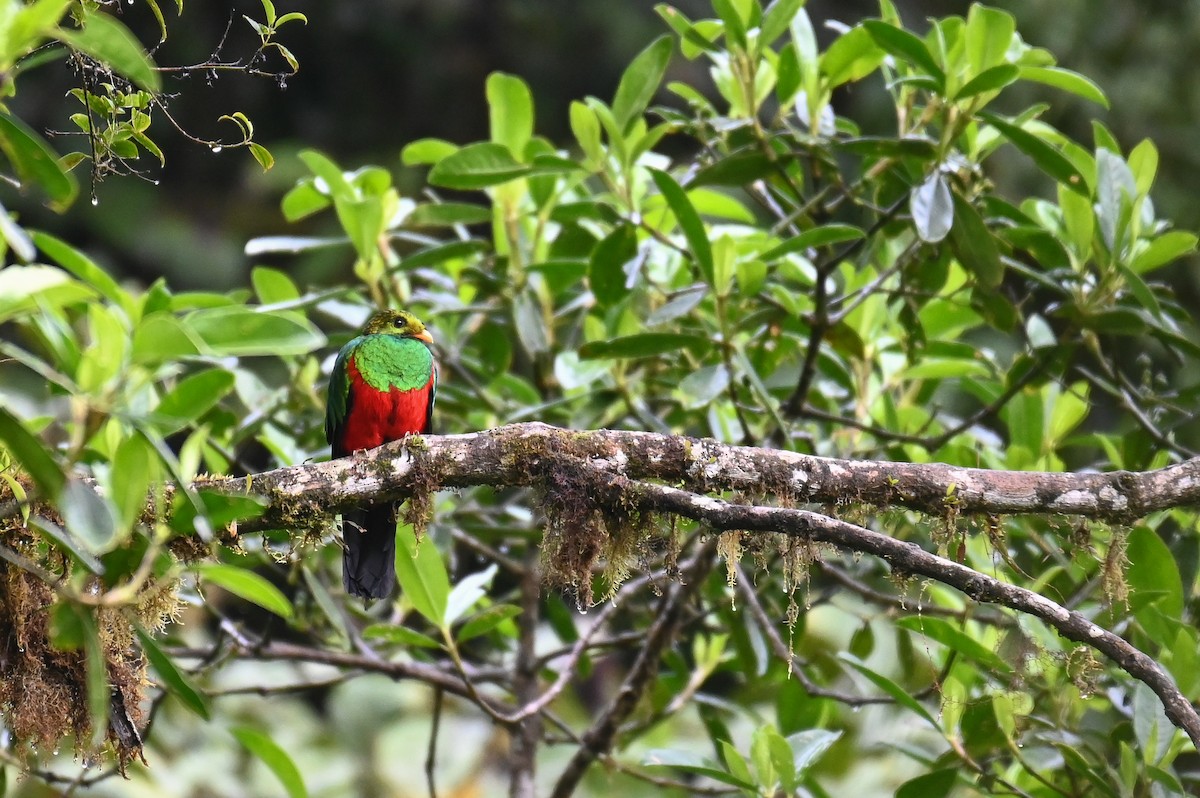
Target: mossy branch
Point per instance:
(618, 467)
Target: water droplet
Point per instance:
(154, 182)
(217, 148)
(95, 201)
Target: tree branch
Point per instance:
(520, 454)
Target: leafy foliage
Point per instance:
(792, 280)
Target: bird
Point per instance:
(382, 388)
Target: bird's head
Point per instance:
(397, 322)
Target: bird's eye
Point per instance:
(398, 323)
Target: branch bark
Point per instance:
(615, 466)
(518, 454)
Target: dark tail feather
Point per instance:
(369, 562)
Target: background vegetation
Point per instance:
(939, 268)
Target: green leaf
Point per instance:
(1048, 159)
(989, 34)
(643, 345)
(162, 337)
(851, 57)
(690, 762)
(272, 285)
(426, 151)
(238, 330)
(401, 635)
(73, 628)
(1164, 249)
(35, 162)
(737, 169)
(447, 214)
(192, 397)
(607, 276)
(809, 745)
(932, 208)
(134, 468)
(510, 110)
(953, 638)
(975, 245)
(274, 757)
(898, 693)
(466, 594)
(702, 386)
(248, 585)
(422, 575)
(777, 19)
(1152, 571)
(906, 46)
(486, 621)
(477, 166)
(88, 517)
(937, 784)
(992, 79)
(640, 81)
(1066, 80)
(175, 681)
(33, 458)
(336, 184)
(454, 250)
(64, 539)
(111, 43)
(303, 200)
(816, 237)
(586, 127)
(689, 221)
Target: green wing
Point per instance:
(337, 404)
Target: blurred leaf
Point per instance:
(1152, 571)
(35, 162)
(111, 43)
(989, 36)
(852, 56)
(644, 345)
(272, 285)
(33, 458)
(1048, 159)
(87, 516)
(67, 542)
(402, 635)
(932, 208)
(1164, 249)
(975, 245)
(426, 151)
(422, 575)
(689, 222)
(486, 621)
(1066, 80)
(640, 81)
(815, 237)
(241, 331)
(703, 385)
(173, 678)
(955, 639)
(531, 326)
(898, 693)
(937, 784)
(606, 267)
(689, 762)
(192, 397)
(477, 166)
(808, 746)
(464, 595)
(248, 585)
(134, 468)
(510, 109)
(274, 757)
(906, 46)
(992, 79)
(445, 214)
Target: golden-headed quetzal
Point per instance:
(382, 388)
